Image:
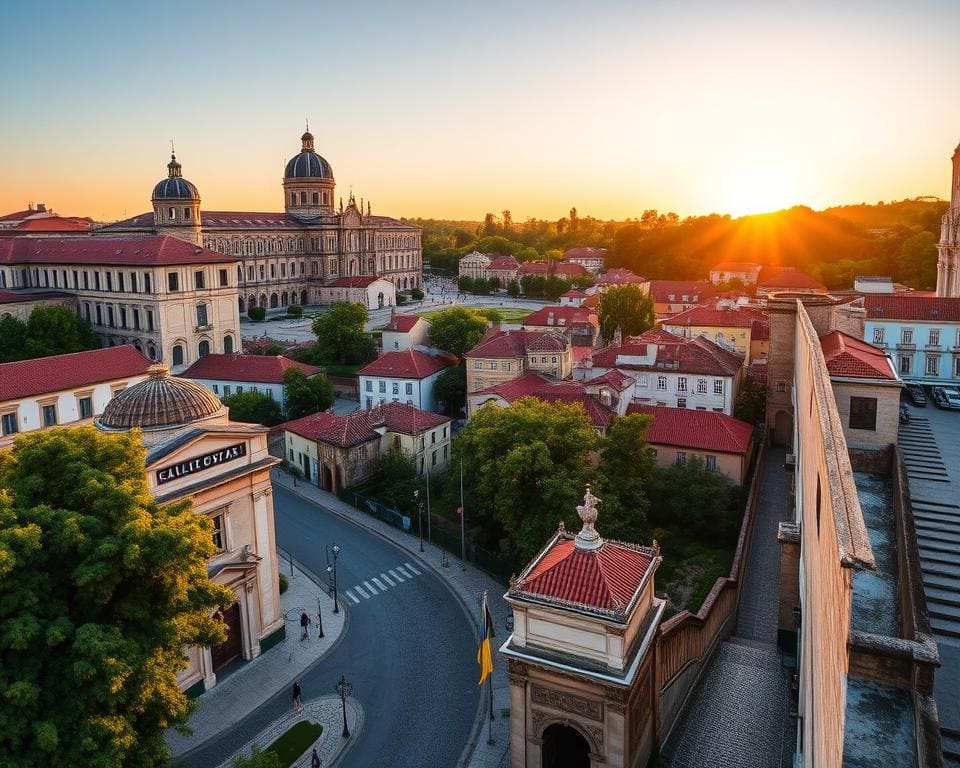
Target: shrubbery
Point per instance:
(257, 314)
(295, 310)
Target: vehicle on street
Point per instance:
(947, 398)
(916, 395)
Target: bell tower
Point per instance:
(176, 205)
(948, 261)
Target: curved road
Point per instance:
(409, 651)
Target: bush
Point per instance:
(284, 583)
(401, 299)
(257, 314)
(295, 310)
(416, 293)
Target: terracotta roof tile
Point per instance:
(620, 277)
(557, 269)
(559, 317)
(135, 251)
(402, 323)
(723, 317)
(500, 343)
(695, 291)
(909, 306)
(787, 278)
(702, 430)
(697, 355)
(360, 426)
(266, 369)
(407, 364)
(535, 385)
(359, 281)
(850, 357)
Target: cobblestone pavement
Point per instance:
(490, 743)
(253, 682)
(325, 710)
(736, 715)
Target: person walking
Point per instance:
(297, 697)
(304, 623)
(315, 759)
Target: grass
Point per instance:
(507, 314)
(338, 369)
(295, 741)
(690, 570)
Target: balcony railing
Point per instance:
(906, 345)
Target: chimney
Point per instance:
(41, 208)
(30, 206)
(550, 318)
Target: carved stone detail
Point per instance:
(592, 710)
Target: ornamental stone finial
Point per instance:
(588, 538)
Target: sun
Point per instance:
(758, 190)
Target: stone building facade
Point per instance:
(287, 257)
(948, 262)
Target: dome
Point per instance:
(175, 187)
(160, 402)
(308, 164)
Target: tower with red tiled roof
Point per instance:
(582, 651)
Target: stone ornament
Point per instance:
(588, 538)
(567, 702)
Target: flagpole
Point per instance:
(429, 537)
(463, 514)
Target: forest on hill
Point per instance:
(896, 239)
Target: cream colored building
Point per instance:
(20, 304)
(948, 262)
(504, 355)
(195, 452)
(729, 327)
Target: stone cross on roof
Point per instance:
(588, 538)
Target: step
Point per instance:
(948, 627)
(940, 557)
(940, 582)
(937, 534)
(938, 545)
(944, 613)
(950, 745)
(927, 506)
(933, 502)
(935, 525)
(944, 596)
(940, 569)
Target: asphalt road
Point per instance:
(409, 650)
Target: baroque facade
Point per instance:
(948, 263)
(286, 258)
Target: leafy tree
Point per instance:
(627, 465)
(465, 284)
(13, 332)
(295, 310)
(340, 335)
(259, 758)
(55, 330)
(526, 467)
(257, 314)
(254, 408)
(450, 389)
(102, 590)
(490, 314)
(397, 479)
(416, 294)
(457, 330)
(625, 307)
(306, 394)
(751, 404)
(513, 288)
(704, 504)
(401, 299)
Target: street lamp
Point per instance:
(319, 619)
(416, 497)
(344, 689)
(332, 572)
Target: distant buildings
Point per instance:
(229, 375)
(407, 377)
(38, 221)
(787, 280)
(404, 332)
(673, 296)
(742, 329)
(591, 259)
(486, 266)
(744, 272)
(948, 261)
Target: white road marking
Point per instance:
(350, 594)
(396, 576)
(387, 579)
(360, 592)
(408, 575)
(379, 583)
(412, 568)
(369, 586)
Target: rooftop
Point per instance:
(701, 430)
(619, 277)
(266, 369)
(549, 391)
(849, 357)
(713, 316)
(787, 278)
(908, 306)
(696, 355)
(359, 281)
(499, 343)
(406, 364)
(559, 316)
(361, 426)
(402, 323)
(735, 266)
(674, 291)
(157, 250)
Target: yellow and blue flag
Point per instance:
(484, 656)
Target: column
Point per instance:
(267, 568)
(206, 669)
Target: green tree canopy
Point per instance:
(751, 402)
(707, 505)
(340, 335)
(457, 329)
(50, 330)
(258, 759)
(627, 465)
(526, 467)
(102, 590)
(625, 307)
(450, 389)
(306, 394)
(12, 335)
(254, 408)
(397, 479)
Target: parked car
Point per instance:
(947, 397)
(916, 395)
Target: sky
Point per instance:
(452, 109)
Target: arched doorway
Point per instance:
(380, 300)
(263, 300)
(326, 478)
(274, 301)
(783, 429)
(303, 298)
(564, 747)
(223, 654)
(284, 299)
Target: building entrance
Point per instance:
(564, 747)
(227, 651)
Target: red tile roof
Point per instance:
(585, 252)
(18, 215)
(265, 369)
(909, 306)
(360, 281)
(697, 355)
(134, 251)
(28, 378)
(408, 364)
(787, 278)
(695, 291)
(760, 329)
(402, 323)
(549, 391)
(230, 220)
(614, 378)
(850, 357)
(607, 579)
(499, 343)
(559, 316)
(557, 269)
(54, 224)
(713, 316)
(700, 430)
(503, 263)
(573, 293)
(360, 426)
(619, 277)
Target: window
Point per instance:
(119, 281)
(136, 319)
(96, 280)
(123, 317)
(227, 389)
(203, 349)
(369, 387)
(506, 366)
(239, 388)
(9, 423)
(681, 402)
(661, 382)
(216, 389)
(781, 386)
(223, 278)
(711, 463)
(228, 345)
(701, 386)
(262, 273)
(201, 314)
(933, 365)
(863, 413)
(110, 317)
(133, 281)
(906, 336)
(85, 405)
(273, 271)
(643, 381)
(553, 360)
(493, 365)
(177, 354)
(109, 280)
(444, 432)
(86, 281)
(543, 360)
(283, 269)
(434, 459)
(409, 388)
(905, 362)
(250, 273)
(369, 403)
(878, 335)
(433, 438)
(956, 366)
(219, 540)
(316, 198)
(934, 337)
(173, 282)
(149, 319)
(478, 364)
(50, 415)
(99, 315)
(146, 283)
(395, 390)
(382, 388)
(718, 386)
(681, 458)
(681, 384)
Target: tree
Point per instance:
(625, 307)
(257, 314)
(295, 310)
(254, 408)
(416, 294)
(306, 394)
(397, 479)
(526, 467)
(103, 589)
(258, 758)
(340, 335)
(450, 389)
(457, 330)
(627, 465)
(704, 504)
(751, 404)
(513, 288)
(12, 335)
(465, 284)
(56, 330)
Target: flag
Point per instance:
(484, 657)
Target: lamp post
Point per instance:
(416, 498)
(332, 572)
(344, 689)
(319, 619)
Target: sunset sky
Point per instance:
(448, 110)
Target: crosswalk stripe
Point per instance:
(360, 592)
(369, 586)
(351, 596)
(400, 568)
(379, 583)
(412, 568)
(387, 579)
(394, 574)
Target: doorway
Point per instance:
(564, 747)
(232, 647)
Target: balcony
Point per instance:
(202, 328)
(910, 346)
(932, 348)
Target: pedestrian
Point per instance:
(315, 759)
(297, 694)
(304, 623)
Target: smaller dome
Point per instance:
(308, 165)
(175, 187)
(160, 402)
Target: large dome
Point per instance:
(160, 402)
(308, 164)
(175, 187)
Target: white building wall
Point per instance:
(646, 392)
(421, 395)
(220, 388)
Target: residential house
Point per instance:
(64, 390)
(671, 371)
(336, 452)
(787, 280)
(229, 375)
(404, 332)
(371, 291)
(745, 272)
(504, 355)
(921, 332)
(551, 268)
(620, 276)
(722, 443)
(591, 259)
(673, 296)
(730, 327)
(572, 298)
(580, 325)
(407, 376)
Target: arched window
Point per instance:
(151, 351)
(303, 299)
(228, 344)
(293, 198)
(274, 301)
(284, 299)
(239, 274)
(177, 354)
(172, 214)
(263, 300)
(203, 348)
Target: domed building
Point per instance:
(195, 452)
(316, 251)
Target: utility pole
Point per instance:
(463, 545)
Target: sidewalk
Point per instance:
(247, 687)
(468, 584)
